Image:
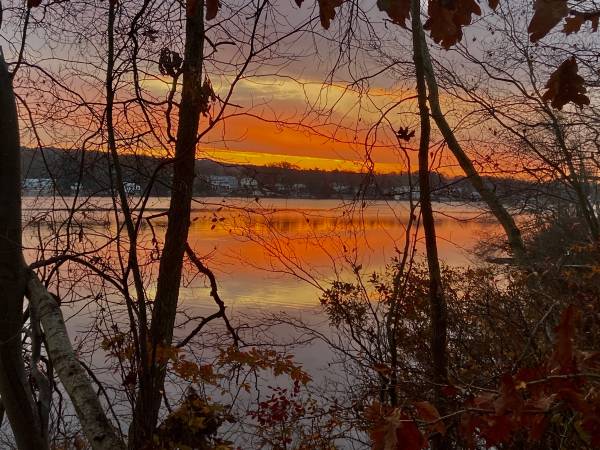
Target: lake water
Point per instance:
(270, 256)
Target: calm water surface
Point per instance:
(272, 255)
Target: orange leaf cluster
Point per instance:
(256, 359)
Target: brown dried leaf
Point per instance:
(446, 19)
(429, 413)
(33, 3)
(547, 14)
(212, 7)
(573, 24)
(566, 85)
(392, 429)
(509, 399)
(564, 356)
(327, 11)
(397, 10)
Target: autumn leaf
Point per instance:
(563, 355)
(212, 7)
(33, 3)
(509, 399)
(397, 10)
(535, 424)
(446, 19)
(566, 85)
(573, 24)
(547, 14)
(497, 430)
(397, 432)
(493, 3)
(405, 134)
(429, 413)
(392, 429)
(327, 11)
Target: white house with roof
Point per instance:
(37, 186)
(131, 188)
(248, 183)
(225, 183)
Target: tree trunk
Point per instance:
(507, 222)
(437, 301)
(96, 427)
(171, 262)
(15, 392)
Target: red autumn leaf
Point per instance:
(446, 19)
(547, 14)
(212, 7)
(542, 403)
(535, 424)
(393, 430)
(509, 399)
(429, 413)
(573, 24)
(450, 391)
(575, 400)
(591, 425)
(493, 3)
(497, 430)
(467, 429)
(566, 85)
(397, 10)
(327, 11)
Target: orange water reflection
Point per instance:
(275, 253)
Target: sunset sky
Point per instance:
(296, 104)
(305, 122)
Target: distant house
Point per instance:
(475, 196)
(404, 191)
(248, 183)
(131, 188)
(299, 187)
(340, 188)
(76, 188)
(223, 183)
(37, 186)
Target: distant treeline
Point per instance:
(92, 173)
